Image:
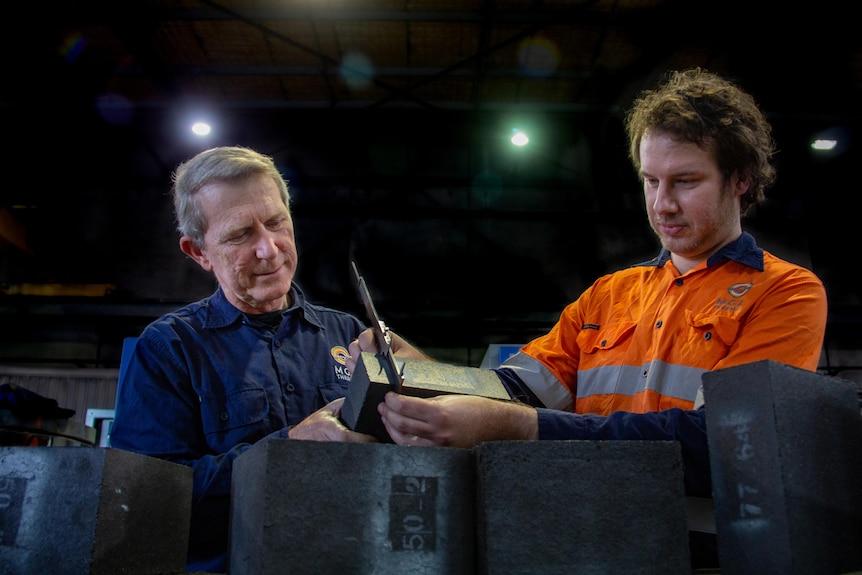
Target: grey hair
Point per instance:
(222, 164)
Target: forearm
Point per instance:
(511, 421)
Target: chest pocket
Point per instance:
(615, 336)
(726, 328)
(710, 336)
(234, 410)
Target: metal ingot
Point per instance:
(369, 384)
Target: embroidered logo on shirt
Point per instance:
(739, 290)
(734, 303)
(339, 354)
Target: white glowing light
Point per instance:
(519, 138)
(201, 128)
(823, 144)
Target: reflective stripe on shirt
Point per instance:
(541, 381)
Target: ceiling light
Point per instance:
(201, 129)
(519, 138)
(830, 142)
(824, 145)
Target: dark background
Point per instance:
(463, 240)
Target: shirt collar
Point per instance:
(743, 250)
(221, 313)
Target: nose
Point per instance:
(663, 202)
(265, 247)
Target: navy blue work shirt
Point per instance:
(206, 382)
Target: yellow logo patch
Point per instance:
(339, 354)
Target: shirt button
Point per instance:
(678, 281)
(707, 336)
(277, 343)
(290, 387)
(645, 372)
(604, 342)
(658, 323)
(224, 416)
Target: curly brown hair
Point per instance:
(703, 108)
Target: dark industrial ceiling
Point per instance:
(391, 120)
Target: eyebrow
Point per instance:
(678, 174)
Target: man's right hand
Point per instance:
(326, 425)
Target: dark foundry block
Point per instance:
(319, 507)
(785, 456)
(564, 507)
(91, 510)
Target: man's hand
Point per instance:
(367, 342)
(455, 420)
(325, 425)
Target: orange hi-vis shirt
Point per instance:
(639, 339)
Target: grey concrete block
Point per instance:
(91, 510)
(364, 509)
(570, 507)
(785, 455)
